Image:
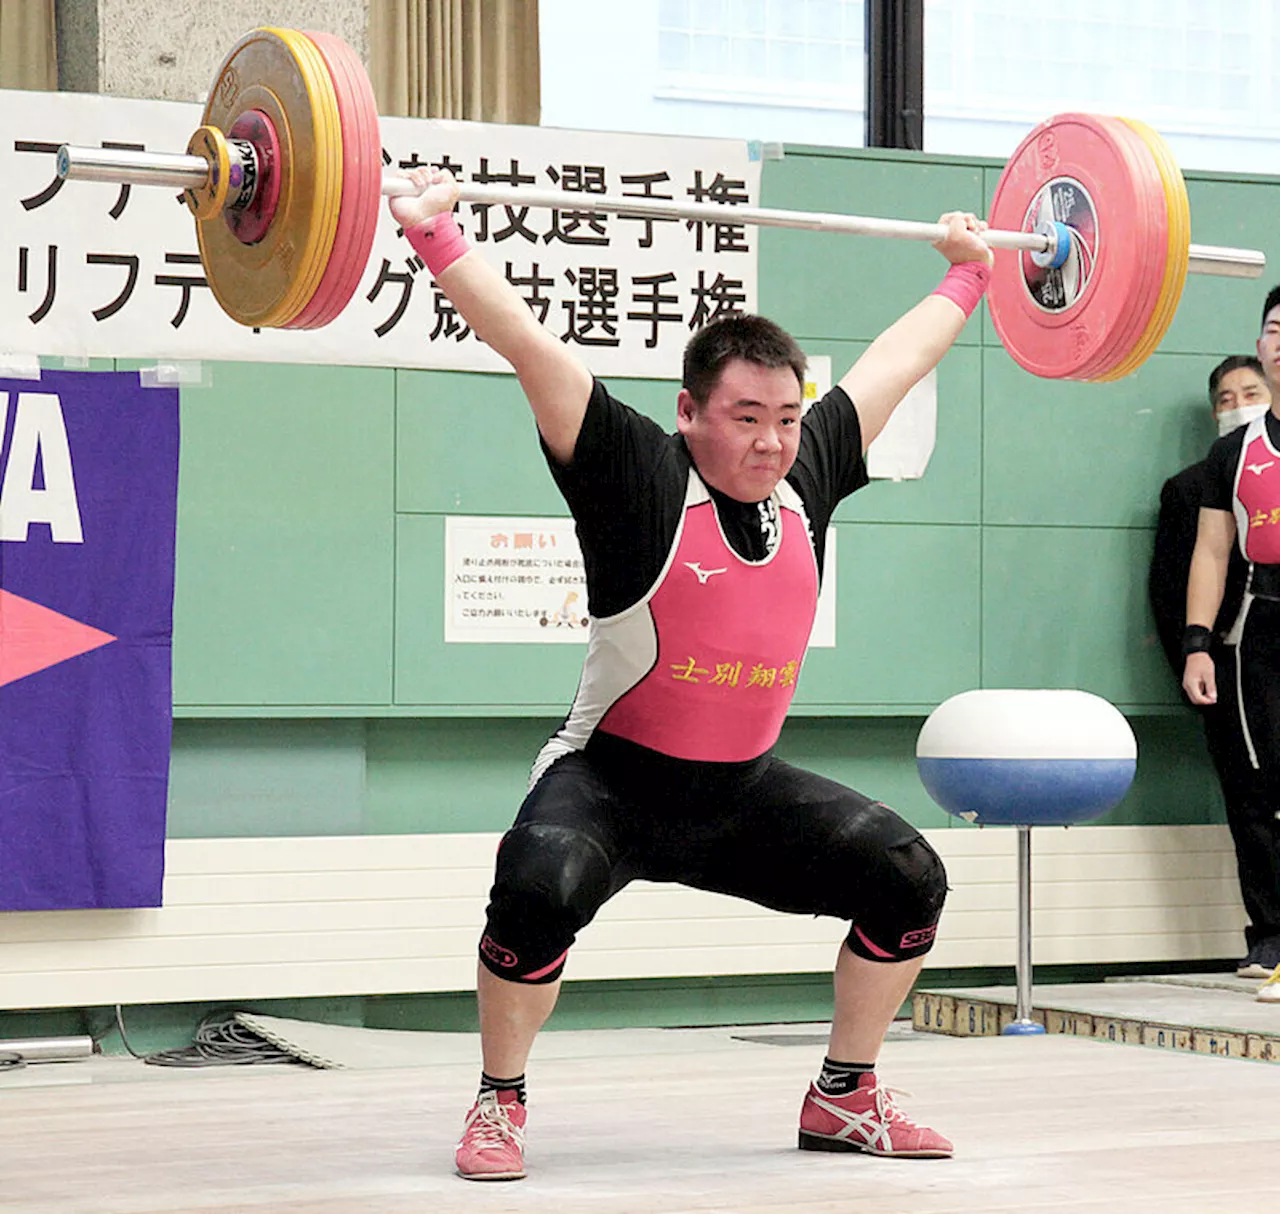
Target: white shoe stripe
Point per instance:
(869, 1128)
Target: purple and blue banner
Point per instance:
(88, 506)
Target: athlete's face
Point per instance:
(1269, 349)
(744, 436)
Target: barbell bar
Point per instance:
(185, 172)
(284, 178)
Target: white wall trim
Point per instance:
(276, 918)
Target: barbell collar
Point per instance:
(185, 172)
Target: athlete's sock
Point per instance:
(489, 1084)
(841, 1078)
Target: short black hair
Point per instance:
(753, 339)
(1233, 363)
(1273, 300)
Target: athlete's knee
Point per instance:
(556, 868)
(900, 921)
(550, 882)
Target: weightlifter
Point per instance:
(1237, 394)
(703, 554)
(1240, 507)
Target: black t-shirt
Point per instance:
(1223, 460)
(626, 490)
(1175, 541)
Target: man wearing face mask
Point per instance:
(1235, 677)
(1237, 394)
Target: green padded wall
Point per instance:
(251, 778)
(822, 286)
(285, 566)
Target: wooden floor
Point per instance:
(651, 1122)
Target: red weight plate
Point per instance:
(1073, 169)
(1120, 332)
(1178, 216)
(361, 184)
(1151, 253)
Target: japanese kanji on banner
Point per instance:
(113, 271)
(88, 501)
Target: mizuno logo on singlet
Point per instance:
(703, 574)
(1259, 469)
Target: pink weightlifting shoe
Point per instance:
(492, 1144)
(866, 1120)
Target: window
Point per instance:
(770, 70)
(776, 52)
(1199, 71)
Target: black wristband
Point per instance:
(1196, 638)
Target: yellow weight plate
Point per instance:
(1175, 276)
(281, 74)
(207, 201)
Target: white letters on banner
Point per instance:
(96, 270)
(39, 441)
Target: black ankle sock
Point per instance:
(489, 1084)
(841, 1078)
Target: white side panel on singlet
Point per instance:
(621, 650)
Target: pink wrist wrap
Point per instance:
(438, 241)
(965, 284)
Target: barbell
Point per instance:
(284, 178)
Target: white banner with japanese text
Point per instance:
(109, 271)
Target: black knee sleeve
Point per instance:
(550, 882)
(900, 920)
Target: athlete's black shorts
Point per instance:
(762, 830)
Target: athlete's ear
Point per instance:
(686, 409)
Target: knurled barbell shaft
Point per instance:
(182, 171)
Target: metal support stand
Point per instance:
(1024, 1025)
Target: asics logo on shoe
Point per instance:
(1259, 469)
(865, 1119)
(497, 954)
(703, 574)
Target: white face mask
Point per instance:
(1231, 419)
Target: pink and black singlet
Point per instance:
(1243, 476)
(1256, 498)
(718, 641)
